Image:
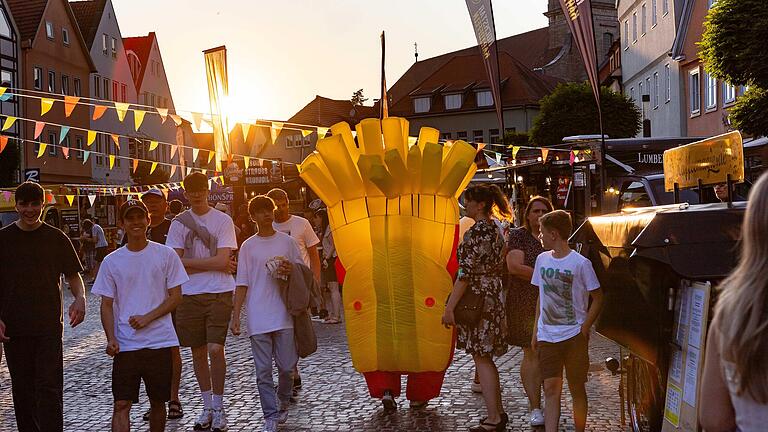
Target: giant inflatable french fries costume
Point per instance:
(394, 212)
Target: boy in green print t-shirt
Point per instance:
(566, 281)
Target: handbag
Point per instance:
(469, 309)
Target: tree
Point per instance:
(738, 57)
(571, 110)
(357, 98)
(516, 138)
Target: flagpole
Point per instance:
(383, 103)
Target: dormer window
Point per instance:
(65, 36)
(484, 98)
(453, 101)
(49, 29)
(422, 104)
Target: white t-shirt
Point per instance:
(263, 304)
(564, 286)
(139, 282)
(301, 231)
(98, 233)
(220, 226)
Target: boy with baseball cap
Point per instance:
(139, 285)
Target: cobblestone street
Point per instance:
(334, 397)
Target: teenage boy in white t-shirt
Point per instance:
(204, 239)
(139, 285)
(564, 317)
(269, 324)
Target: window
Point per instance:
(729, 94)
(115, 90)
(421, 104)
(607, 42)
(78, 89)
(493, 136)
(453, 101)
(289, 141)
(461, 135)
(37, 74)
(694, 84)
(668, 80)
(626, 34)
(104, 47)
(99, 150)
(632, 94)
(634, 194)
(105, 82)
(634, 27)
(484, 98)
(52, 144)
(65, 36)
(445, 135)
(123, 91)
(655, 90)
(641, 92)
(665, 6)
(643, 19)
(710, 91)
(64, 85)
(477, 136)
(51, 82)
(114, 48)
(648, 89)
(97, 86)
(79, 146)
(49, 30)
(654, 13)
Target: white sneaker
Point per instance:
(270, 426)
(537, 418)
(204, 421)
(219, 423)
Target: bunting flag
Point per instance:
(195, 154)
(135, 165)
(205, 172)
(5, 97)
(322, 132)
(121, 108)
(138, 118)
(176, 119)
(45, 105)
(305, 133)
(91, 137)
(3, 142)
(7, 195)
(154, 167)
(173, 171)
(111, 161)
(173, 150)
(86, 154)
(116, 139)
(41, 150)
(38, 129)
(91, 199)
(98, 111)
(65, 152)
(163, 112)
(197, 119)
(189, 171)
(515, 149)
(3, 90)
(70, 102)
(70, 199)
(412, 141)
(245, 128)
(275, 130)
(247, 161)
(498, 158)
(572, 158)
(63, 133)
(210, 156)
(153, 145)
(9, 121)
(544, 153)
(480, 147)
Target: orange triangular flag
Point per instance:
(39, 128)
(45, 105)
(41, 150)
(163, 113)
(135, 165)
(98, 111)
(116, 139)
(91, 137)
(3, 142)
(121, 108)
(70, 102)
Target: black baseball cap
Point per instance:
(130, 205)
(196, 182)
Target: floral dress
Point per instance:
(480, 266)
(522, 296)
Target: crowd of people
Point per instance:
(201, 269)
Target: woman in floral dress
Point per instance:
(481, 257)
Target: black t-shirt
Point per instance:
(157, 234)
(31, 263)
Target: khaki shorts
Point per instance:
(203, 318)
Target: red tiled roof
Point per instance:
(327, 112)
(142, 46)
(88, 14)
(27, 15)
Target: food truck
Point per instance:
(659, 268)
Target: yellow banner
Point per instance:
(154, 167)
(121, 108)
(710, 160)
(153, 145)
(138, 118)
(45, 105)
(41, 150)
(111, 161)
(9, 121)
(91, 137)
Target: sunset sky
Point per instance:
(283, 53)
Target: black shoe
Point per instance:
(504, 419)
(487, 427)
(297, 383)
(389, 401)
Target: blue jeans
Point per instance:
(281, 346)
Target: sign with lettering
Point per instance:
(32, 174)
(710, 160)
(650, 158)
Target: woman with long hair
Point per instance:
(329, 280)
(734, 391)
(524, 246)
(481, 258)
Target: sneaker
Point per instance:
(537, 418)
(282, 416)
(270, 426)
(219, 423)
(389, 401)
(476, 387)
(204, 421)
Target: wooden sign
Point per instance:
(710, 160)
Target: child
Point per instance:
(265, 261)
(566, 281)
(140, 285)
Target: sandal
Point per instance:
(483, 427)
(174, 410)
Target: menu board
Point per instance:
(70, 222)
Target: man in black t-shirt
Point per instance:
(33, 255)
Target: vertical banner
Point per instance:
(384, 103)
(218, 92)
(578, 14)
(481, 13)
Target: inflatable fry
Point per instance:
(393, 211)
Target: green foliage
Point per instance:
(571, 110)
(750, 114)
(733, 46)
(357, 98)
(9, 163)
(516, 138)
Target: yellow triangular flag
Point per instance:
(247, 160)
(153, 145)
(211, 154)
(544, 153)
(70, 199)
(111, 161)
(121, 108)
(3, 90)
(515, 149)
(41, 150)
(45, 105)
(173, 171)
(154, 166)
(138, 118)
(195, 154)
(9, 121)
(275, 130)
(412, 141)
(163, 113)
(91, 137)
(197, 118)
(304, 133)
(245, 127)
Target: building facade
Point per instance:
(55, 62)
(11, 158)
(648, 33)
